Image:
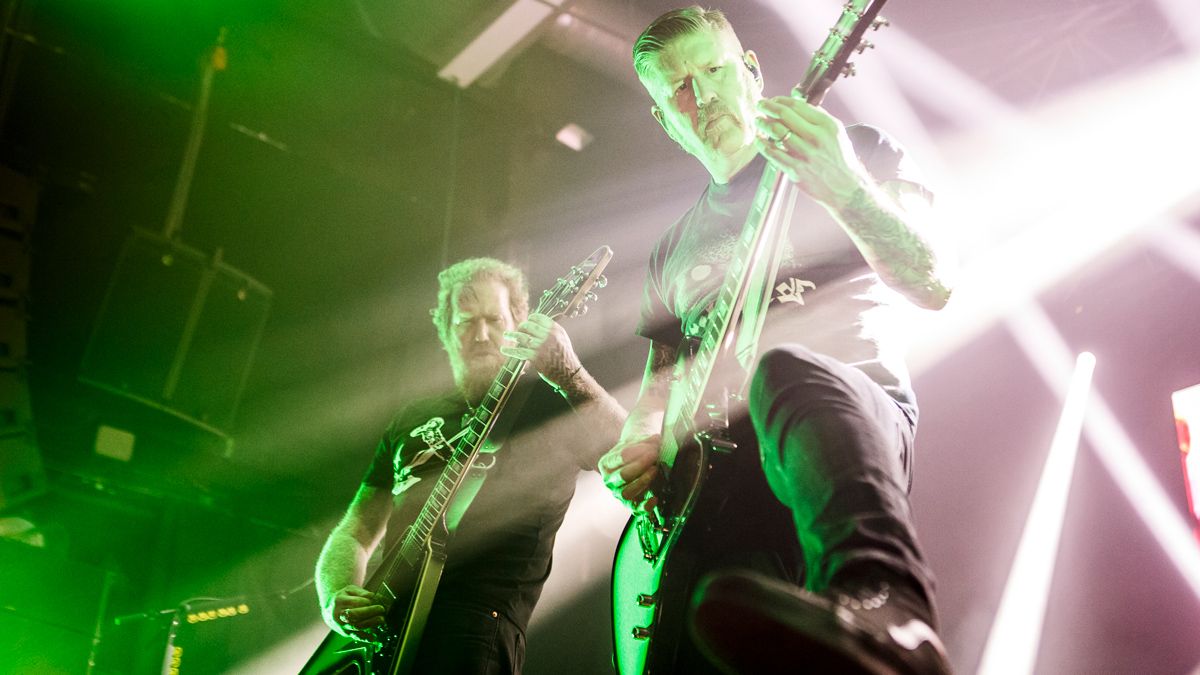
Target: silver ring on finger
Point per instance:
(344, 617)
(783, 139)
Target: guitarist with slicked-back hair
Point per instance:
(781, 541)
(487, 577)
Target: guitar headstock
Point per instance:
(571, 293)
(845, 39)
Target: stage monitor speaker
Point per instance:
(178, 331)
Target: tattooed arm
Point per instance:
(891, 224)
(548, 348)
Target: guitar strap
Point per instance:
(760, 284)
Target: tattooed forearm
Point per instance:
(660, 367)
(559, 367)
(600, 414)
(895, 246)
(646, 416)
(578, 385)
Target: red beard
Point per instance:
(479, 371)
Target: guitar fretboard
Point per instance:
(761, 232)
(466, 450)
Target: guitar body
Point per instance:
(414, 590)
(414, 586)
(729, 518)
(337, 655)
(650, 593)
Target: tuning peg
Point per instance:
(880, 22)
(591, 297)
(601, 281)
(849, 70)
(864, 45)
(581, 310)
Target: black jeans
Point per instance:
(461, 640)
(836, 450)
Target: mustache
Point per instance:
(712, 111)
(481, 351)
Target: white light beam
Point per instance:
(1012, 644)
(1032, 213)
(1177, 243)
(1185, 18)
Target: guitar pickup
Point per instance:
(718, 443)
(722, 445)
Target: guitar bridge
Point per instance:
(648, 536)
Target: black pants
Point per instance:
(460, 640)
(836, 450)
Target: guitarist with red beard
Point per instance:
(500, 553)
(813, 559)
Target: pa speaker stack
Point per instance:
(177, 332)
(21, 473)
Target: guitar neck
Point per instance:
(755, 256)
(466, 450)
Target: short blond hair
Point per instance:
(477, 269)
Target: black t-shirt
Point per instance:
(826, 297)
(499, 555)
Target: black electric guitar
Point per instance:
(413, 567)
(652, 571)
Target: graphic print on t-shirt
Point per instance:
(430, 433)
(792, 290)
(710, 260)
